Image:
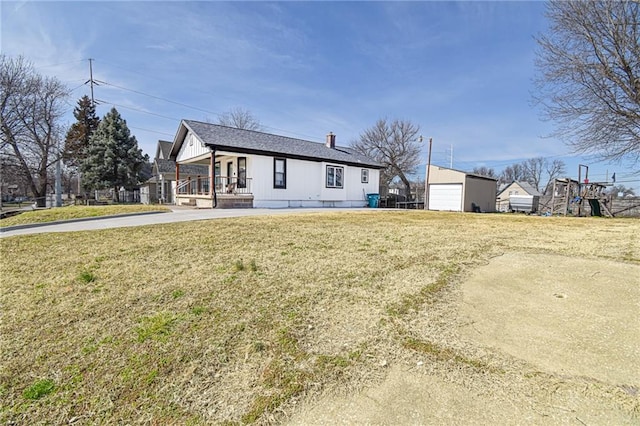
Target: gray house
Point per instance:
(161, 186)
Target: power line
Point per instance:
(57, 65)
(152, 131)
(77, 87)
(128, 70)
(458, 163)
(100, 101)
(308, 137)
(160, 98)
(311, 138)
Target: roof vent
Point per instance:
(331, 140)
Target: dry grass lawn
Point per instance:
(78, 212)
(248, 320)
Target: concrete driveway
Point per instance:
(176, 215)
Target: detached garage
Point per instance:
(454, 190)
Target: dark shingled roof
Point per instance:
(224, 138)
(168, 166)
(164, 147)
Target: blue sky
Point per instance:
(462, 71)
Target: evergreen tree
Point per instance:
(80, 132)
(113, 158)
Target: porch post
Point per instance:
(177, 182)
(162, 194)
(211, 177)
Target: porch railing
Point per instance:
(223, 185)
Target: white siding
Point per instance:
(356, 189)
(333, 194)
(306, 184)
(191, 148)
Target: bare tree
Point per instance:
(512, 173)
(484, 171)
(616, 190)
(11, 175)
(394, 145)
(533, 169)
(31, 107)
(240, 119)
(538, 172)
(589, 76)
(554, 170)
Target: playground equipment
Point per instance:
(569, 196)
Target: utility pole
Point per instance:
(91, 81)
(451, 158)
(426, 179)
(58, 183)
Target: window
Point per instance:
(364, 176)
(334, 176)
(280, 173)
(216, 176)
(242, 172)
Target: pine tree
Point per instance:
(113, 158)
(80, 132)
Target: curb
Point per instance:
(81, 219)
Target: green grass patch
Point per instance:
(413, 302)
(198, 310)
(238, 266)
(442, 353)
(39, 389)
(87, 276)
(156, 327)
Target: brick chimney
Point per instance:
(331, 140)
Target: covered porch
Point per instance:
(225, 186)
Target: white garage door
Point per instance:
(447, 197)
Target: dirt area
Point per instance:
(558, 339)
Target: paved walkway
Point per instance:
(176, 215)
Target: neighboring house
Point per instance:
(516, 189)
(455, 190)
(256, 169)
(161, 187)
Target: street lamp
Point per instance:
(426, 178)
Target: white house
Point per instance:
(256, 169)
(455, 190)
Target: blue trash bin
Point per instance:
(374, 199)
